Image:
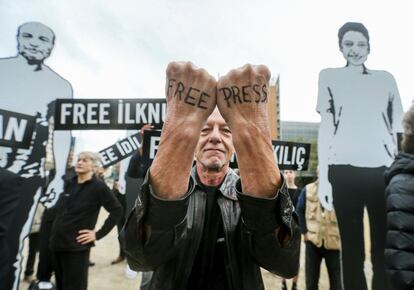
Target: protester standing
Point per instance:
(399, 251)
(294, 192)
(320, 231)
(73, 231)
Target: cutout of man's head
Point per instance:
(35, 41)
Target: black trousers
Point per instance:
(353, 189)
(71, 270)
(45, 266)
(314, 256)
(28, 189)
(121, 239)
(31, 257)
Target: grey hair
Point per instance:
(94, 157)
(407, 143)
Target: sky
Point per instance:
(120, 49)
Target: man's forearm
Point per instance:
(175, 155)
(242, 98)
(260, 175)
(191, 97)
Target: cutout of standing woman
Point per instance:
(360, 112)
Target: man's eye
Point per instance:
(44, 39)
(27, 35)
(226, 130)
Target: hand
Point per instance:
(191, 98)
(148, 127)
(242, 96)
(86, 237)
(190, 93)
(325, 194)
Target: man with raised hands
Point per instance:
(202, 226)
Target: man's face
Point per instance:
(355, 48)
(215, 145)
(35, 41)
(84, 165)
(289, 175)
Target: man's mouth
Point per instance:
(214, 149)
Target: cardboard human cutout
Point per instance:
(28, 86)
(361, 113)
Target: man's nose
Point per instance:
(215, 135)
(34, 42)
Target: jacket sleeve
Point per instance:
(112, 205)
(154, 229)
(134, 166)
(270, 228)
(301, 210)
(399, 251)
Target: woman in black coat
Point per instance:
(399, 252)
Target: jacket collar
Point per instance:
(74, 178)
(227, 187)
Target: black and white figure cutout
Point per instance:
(28, 86)
(361, 113)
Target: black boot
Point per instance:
(284, 286)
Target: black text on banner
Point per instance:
(289, 155)
(104, 114)
(16, 129)
(120, 150)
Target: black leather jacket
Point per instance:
(250, 232)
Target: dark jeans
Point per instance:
(353, 189)
(71, 270)
(31, 257)
(314, 256)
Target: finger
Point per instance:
(87, 241)
(263, 71)
(84, 231)
(81, 237)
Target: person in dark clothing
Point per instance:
(137, 169)
(399, 251)
(205, 227)
(73, 231)
(121, 198)
(9, 201)
(294, 192)
(320, 231)
(44, 267)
